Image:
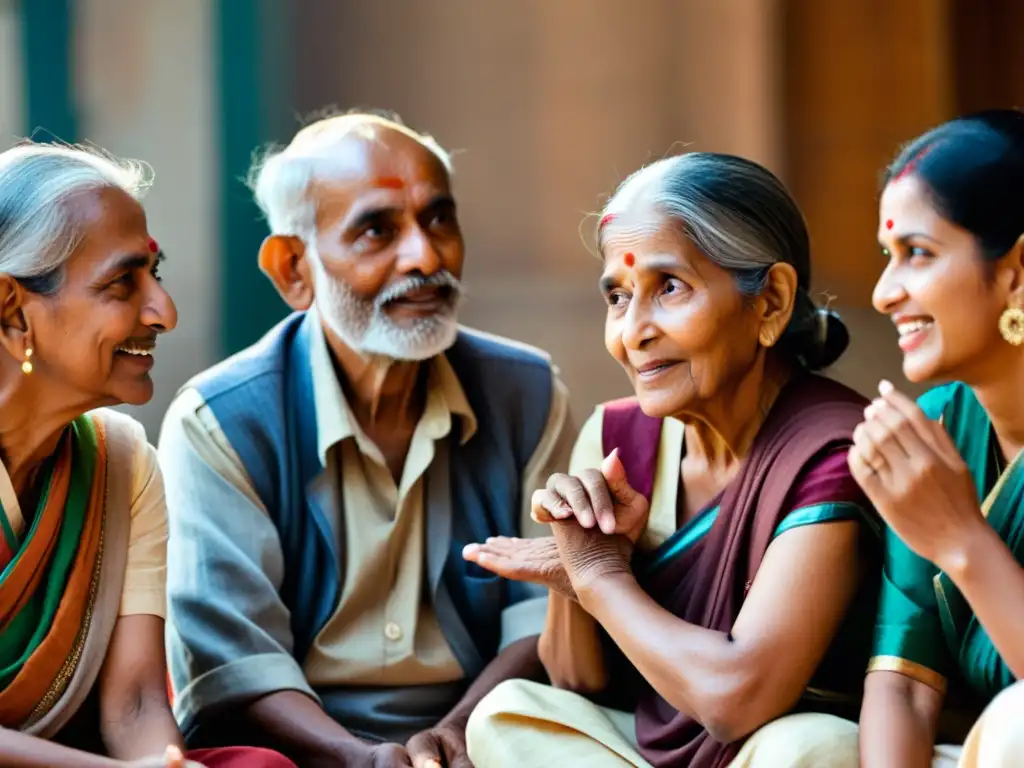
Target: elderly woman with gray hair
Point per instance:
(713, 565)
(83, 528)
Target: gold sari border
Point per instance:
(907, 668)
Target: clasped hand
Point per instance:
(443, 746)
(596, 519)
(913, 474)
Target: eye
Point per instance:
(155, 272)
(674, 286)
(617, 298)
(443, 218)
(918, 253)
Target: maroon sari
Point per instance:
(707, 583)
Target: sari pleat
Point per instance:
(57, 592)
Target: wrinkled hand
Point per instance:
(443, 746)
(532, 560)
(589, 555)
(596, 497)
(914, 476)
(172, 758)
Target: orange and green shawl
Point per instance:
(50, 576)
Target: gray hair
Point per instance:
(742, 218)
(280, 178)
(38, 232)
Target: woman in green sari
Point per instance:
(946, 473)
(83, 528)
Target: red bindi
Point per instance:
(390, 182)
(630, 259)
(888, 224)
(153, 247)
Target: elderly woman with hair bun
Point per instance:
(713, 566)
(83, 527)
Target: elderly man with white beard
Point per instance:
(322, 484)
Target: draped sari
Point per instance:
(62, 569)
(52, 574)
(926, 629)
(703, 571)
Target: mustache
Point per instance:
(449, 286)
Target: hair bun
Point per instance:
(832, 339)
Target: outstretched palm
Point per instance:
(532, 560)
(599, 518)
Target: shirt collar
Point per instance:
(335, 421)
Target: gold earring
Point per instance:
(26, 367)
(766, 341)
(1011, 325)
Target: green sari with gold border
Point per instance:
(926, 630)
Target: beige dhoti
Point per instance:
(526, 724)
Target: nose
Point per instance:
(418, 254)
(159, 313)
(638, 327)
(889, 291)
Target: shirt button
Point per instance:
(392, 631)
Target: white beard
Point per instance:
(363, 325)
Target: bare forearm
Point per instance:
(142, 727)
(696, 670)
(20, 751)
(519, 660)
(896, 731)
(992, 581)
(894, 738)
(298, 726)
(570, 647)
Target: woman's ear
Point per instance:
(1013, 263)
(776, 303)
(283, 259)
(15, 336)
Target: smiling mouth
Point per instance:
(913, 326)
(652, 370)
(136, 350)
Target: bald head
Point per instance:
(344, 148)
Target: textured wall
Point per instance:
(146, 90)
(550, 104)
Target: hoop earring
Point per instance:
(26, 367)
(1011, 325)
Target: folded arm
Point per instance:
(992, 581)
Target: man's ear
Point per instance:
(283, 260)
(15, 336)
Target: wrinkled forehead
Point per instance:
(633, 210)
(370, 163)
